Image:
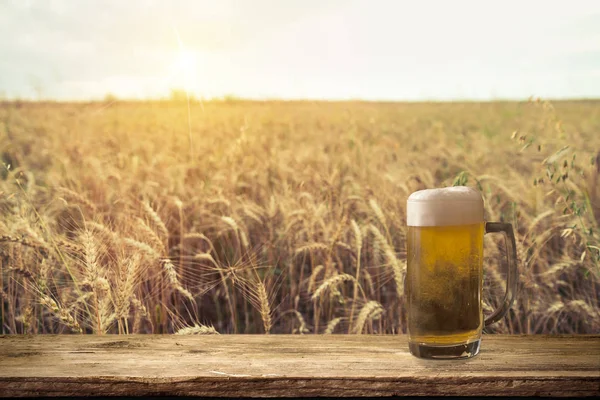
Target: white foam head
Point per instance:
(457, 205)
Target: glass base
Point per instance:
(455, 351)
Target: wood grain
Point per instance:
(292, 366)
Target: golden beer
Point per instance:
(445, 272)
(444, 282)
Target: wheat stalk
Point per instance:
(331, 325)
(111, 235)
(252, 214)
(370, 311)
(197, 330)
(154, 217)
(344, 246)
(70, 195)
(141, 246)
(231, 223)
(92, 275)
(265, 308)
(582, 307)
(91, 254)
(173, 280)
(303, 327)
(141, 312)
(22, 241)
(398, 268)
(62, 314)
(377, 211)
(153, 239)
(313, 277)
(70, 247)
(358, 246)
(127, 277)
(311, 247)
(331, 283)
(23, 272)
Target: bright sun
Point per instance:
(186, 61)
(185, 68)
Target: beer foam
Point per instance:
(457, 205)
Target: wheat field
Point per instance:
(283, 217)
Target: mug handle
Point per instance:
(511, 278)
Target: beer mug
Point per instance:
(445, 272)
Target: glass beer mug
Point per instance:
(445, 272)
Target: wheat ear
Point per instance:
(332, 325)
(398, 268)
(358, 246)
(371, 310)
(62, 314)
(197, 330)
(331, 283)
(153, 215)
(169, 269)
(265, 308)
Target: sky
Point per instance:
(329, 49)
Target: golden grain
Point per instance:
(331, 325)
(330, 284)
(370, 311)
(197, 330)
(281, 221)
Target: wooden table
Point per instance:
(292, 366)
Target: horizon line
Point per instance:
(233, 98)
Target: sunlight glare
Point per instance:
(186, 61)
(185, 68)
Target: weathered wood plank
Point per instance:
(291, 366)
